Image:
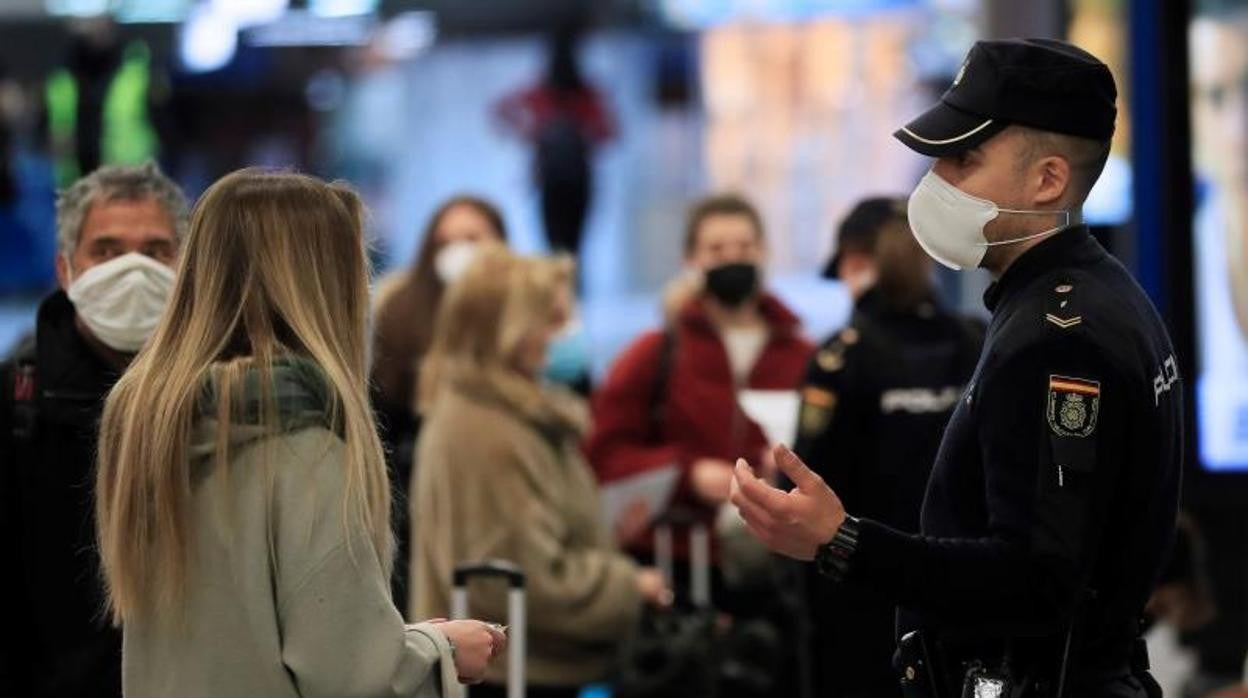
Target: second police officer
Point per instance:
(876, 398)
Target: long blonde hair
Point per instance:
(485, 316)
(273, 265)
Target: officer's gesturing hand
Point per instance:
(793, 523)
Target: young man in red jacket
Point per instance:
(671, 398)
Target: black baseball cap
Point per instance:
(860, 228)
(1044, 84)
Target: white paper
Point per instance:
(654, 487)
(775, 411)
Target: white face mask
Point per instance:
(121, 300)
(949, 223)
(861, 282)
(453, 260)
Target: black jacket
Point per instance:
(875, 401)
(1055, 491)
(57, 642)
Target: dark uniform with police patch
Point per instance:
(1052, 503)
(876, 398)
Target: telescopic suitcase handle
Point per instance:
(699, 554)
(515, 612)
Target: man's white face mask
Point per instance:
(121, 300)
(949, 223)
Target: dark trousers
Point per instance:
(565, 206)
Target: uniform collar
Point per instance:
(870, 302)
(874, 303)
(1072, 245)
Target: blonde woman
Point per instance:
(242, 500)
(501, 476)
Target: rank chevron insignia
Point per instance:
(1064, 323)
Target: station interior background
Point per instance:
(791, 102)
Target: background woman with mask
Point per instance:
(502, 476)
(727, 334)
(242, 499)
(405, 306)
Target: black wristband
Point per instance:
(833, 558)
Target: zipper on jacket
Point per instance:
(69, 397)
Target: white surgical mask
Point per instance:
(121, 300)
(860, 282)
(949, 223)
(453, 260)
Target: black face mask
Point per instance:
(732, 284)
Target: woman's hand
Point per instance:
(634, 522)
(476, 645)
(711, 480)
(653, 588)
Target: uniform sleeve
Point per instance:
(621, 443)
(341, 633)
(1050, 429)
(830, 416)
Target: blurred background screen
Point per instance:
(1218, 49)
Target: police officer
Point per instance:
(876, 398)
(1053, 498)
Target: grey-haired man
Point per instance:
(118, 232)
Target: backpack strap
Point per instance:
(662, 379)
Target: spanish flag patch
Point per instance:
(1074, 404)
(1074, 385)
(818, 405)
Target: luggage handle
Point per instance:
(489, 568)
(515, 612)
(699, 555)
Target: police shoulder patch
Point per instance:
(818, 406)
(1074, 404)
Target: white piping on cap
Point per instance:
(947, 141)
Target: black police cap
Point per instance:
(1040, 83)
(860, 228)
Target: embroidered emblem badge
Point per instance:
(1074, 404)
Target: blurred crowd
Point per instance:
(492, 451)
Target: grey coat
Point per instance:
(285, 599)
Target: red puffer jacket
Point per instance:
(700, 414)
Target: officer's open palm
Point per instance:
(793, 523)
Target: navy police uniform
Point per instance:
(1055, 491)
(1053, 499)
(876, 398)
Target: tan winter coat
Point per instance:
(500, 475)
